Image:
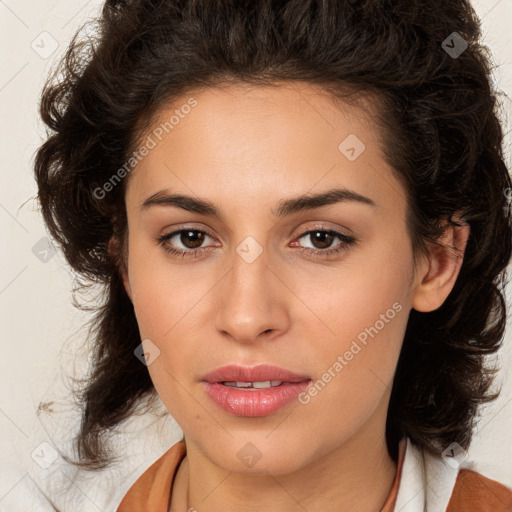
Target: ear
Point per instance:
(115, 252)
(437, 272)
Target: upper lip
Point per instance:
(260, 373)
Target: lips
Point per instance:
(260, 373)
(275, 387)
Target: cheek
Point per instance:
(363, 308)
(353, 296)
(354, 371)
(170, 312)
(164, 308)
(160, 294)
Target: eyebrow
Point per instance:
(285, 206)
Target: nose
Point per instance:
(252, 301)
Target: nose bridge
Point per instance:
(249, 303)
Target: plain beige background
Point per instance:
(37, 319)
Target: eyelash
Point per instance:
(318, 253)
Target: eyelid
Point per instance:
(326, 227)
(178, 229)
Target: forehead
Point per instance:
(255, 140)
(271, 106)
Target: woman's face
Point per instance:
(273, 284)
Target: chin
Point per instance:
(257, 456)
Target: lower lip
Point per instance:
(253, 402)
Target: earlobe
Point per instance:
(440, 269)
(126, 283)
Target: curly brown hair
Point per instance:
(438, 112)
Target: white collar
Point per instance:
(426, 482)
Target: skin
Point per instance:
(244, 149)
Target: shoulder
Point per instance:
(473, 491)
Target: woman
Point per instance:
(297, 211)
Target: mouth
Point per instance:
(253, 391)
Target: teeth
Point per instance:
(257, 385)
(261, 385)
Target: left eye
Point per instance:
(195, 236)
(192, 240)
(324, 237)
